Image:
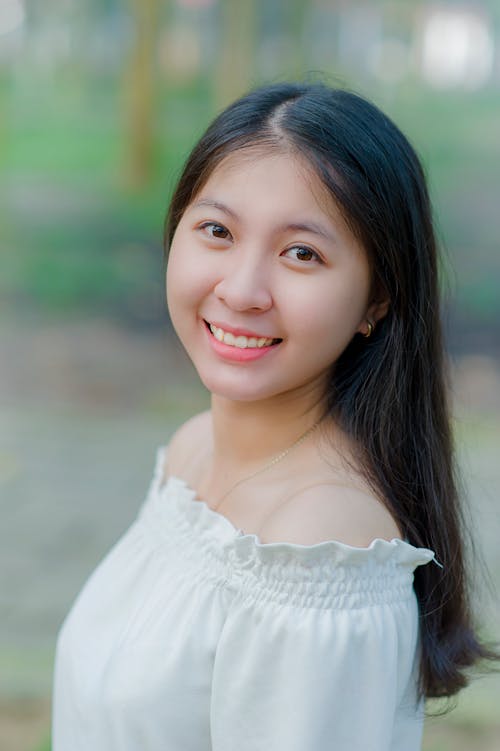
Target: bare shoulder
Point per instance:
(324, 512)
(186, 442)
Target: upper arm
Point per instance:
(311, 679)
(330, 512)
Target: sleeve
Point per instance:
(312, 679)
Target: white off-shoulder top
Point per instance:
(194, 636)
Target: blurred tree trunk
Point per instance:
(234, 68)
(140, 92)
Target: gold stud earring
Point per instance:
(370, 330)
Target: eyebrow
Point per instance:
(309, 226)
(216, 205)
(312, 227)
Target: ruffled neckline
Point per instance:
(174, 492)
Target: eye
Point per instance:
(217, 231)
(302, 253)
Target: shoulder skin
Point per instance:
(328, 511)
(186, 441)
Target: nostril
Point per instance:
(242, 294)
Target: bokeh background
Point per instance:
(100, 102)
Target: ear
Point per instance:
(378, 309)
(374, 313)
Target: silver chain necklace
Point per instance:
(271, 462)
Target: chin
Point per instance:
(239, 391)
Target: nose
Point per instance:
(245, 283)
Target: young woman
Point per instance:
(296, 577)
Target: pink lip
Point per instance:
(237, 354)
(238, 331)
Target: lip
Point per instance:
(237, 354)
(238, 331)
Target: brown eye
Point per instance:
(304, 254)
(301, 253)
(216, 230)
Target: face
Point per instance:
(266, 285)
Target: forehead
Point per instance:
(256, 173)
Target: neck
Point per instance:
(246, 434)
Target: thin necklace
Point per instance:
(271, 462)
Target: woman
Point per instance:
(296, 577)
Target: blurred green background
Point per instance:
(100, 102)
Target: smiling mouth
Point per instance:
(240, 341)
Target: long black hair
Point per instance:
(387, 392)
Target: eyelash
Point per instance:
(206, 225)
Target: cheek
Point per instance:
(178, 289)
(185, 281)
(333, 310)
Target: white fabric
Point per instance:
(193, 636)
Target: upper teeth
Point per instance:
(239, 341)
